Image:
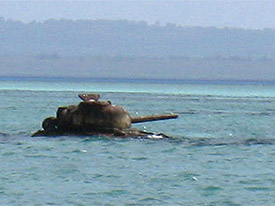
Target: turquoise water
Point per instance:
(222, 151)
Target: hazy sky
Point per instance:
(254, 14)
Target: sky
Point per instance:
(250, 14)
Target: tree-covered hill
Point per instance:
(124, 38)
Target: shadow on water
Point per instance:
(4, 137)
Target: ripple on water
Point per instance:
(228, 203)
(258, 188)
(79, 151)
(2, 189)
(36, 155)
(2, 134)
(67, 170)
(139, 158)
(10, 153)
(212, 188)
(185, 175)
(170, 150)
(115, 192)
(150, 200)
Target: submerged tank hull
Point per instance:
(126, 133)
(96, 118)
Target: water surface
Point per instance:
(222, 151)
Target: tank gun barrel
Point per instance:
(151, 118)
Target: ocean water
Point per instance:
(221, 152)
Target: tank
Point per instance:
(93, 117)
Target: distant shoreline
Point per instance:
(138, 80)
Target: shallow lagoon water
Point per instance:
(222, 151)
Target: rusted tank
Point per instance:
(94, 117)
